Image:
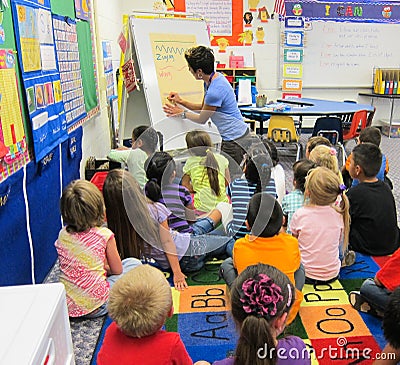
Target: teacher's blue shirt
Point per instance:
(227, 117)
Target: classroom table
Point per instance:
(384, 96)
(304, 107)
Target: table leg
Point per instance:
(391, 116)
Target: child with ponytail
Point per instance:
(327, 157)
(322, 227)
(206, 173)
(261, 298)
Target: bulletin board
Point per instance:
(157, 47)
(13, 140)
(41, 78)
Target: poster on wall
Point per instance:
(69, 65)
(108, 68)
(82, 9)
(36, 50)
(13, 147)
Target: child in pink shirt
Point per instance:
(322, 226)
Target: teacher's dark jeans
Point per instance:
(236, 149)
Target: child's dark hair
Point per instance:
(148, 136)
(317, 141)
(300, 171)
(391, 320)
(199, 142)
(200, 57)
(264, 215)
(371, 135)
(369, 157)
(254, 314)
(272, 150)
(258, 170)
(82, 206)
(159, 169)
(128, 215)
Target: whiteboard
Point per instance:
(159, 47)
(338, 54)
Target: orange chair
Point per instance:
(358, 122)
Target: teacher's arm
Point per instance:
(175, 98)
(175, 111)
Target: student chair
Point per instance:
(331, 128)
(358, 122)
(283, 132)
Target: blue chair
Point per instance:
(331, 128)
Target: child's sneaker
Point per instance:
(349, 258)
(359, 303)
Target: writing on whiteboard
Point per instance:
(345, 54)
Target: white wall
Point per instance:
(108, 22)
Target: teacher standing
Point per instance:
(219, 104)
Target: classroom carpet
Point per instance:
(334, 332)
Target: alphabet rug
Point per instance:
(334, 332)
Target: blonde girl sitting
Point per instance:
(322, 226)
(206, 173)
(327, 157)
(87, 252)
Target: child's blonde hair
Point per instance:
(322, 188)
(140, 301)
(82, 206)
(200, 143)
(326, 156)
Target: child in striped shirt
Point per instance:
(295, 199)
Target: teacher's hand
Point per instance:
(172, 110)
(174, 97)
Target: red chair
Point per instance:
(358, 122)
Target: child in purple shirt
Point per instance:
(261, 297)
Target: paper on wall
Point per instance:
(244, 92)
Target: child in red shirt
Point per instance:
(139, 304)
(375, 293)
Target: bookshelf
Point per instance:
(233, 75)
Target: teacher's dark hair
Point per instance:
(200, 57)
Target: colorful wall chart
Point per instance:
(82, 9)
(70, 70)
(108, 68)
(13, 147)
(36, 50)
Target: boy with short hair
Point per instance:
(373, 228)
(267, 245)
(144, 143)
(370, 135)
(139, 304)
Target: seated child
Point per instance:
(295, 199)
(371, 135)
(206, 173)
(316, 141)
(139, 304)
(87, 252)
(266, 244)
(144, 143)
(261, 318)
(143, 229)
(375, 293)
(391, 328)
(257, 172)
(373, 229)
(161, 173)
(322, 226)
(326, 156)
